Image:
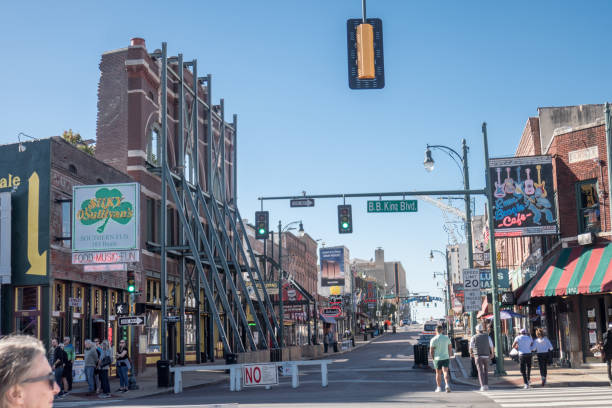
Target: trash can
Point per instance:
(276, 354)
(164, 379)
(231, 358)
(465, 348)
(394, 330)
(457, 344)
(365, 336)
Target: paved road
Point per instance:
(376, 375)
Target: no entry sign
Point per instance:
(259, 374)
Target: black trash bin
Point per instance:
(465, 348)
(164, 377)
(276, 354)
(231, 358)
(394, 330)
(457, 344)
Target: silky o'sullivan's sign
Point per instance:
(105, 217)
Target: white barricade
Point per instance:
(236, 372)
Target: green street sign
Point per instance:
(389, 296)
(388, 206)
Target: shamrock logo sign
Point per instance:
(108, 204)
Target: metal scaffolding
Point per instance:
(213, 251)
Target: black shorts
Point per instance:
(441, 363)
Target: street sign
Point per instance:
(331, 311)
(471, 290)
(259, 374)
(387, 206)
(302, 202)
(131, 321)
(121, 309)
(389, 296)
(172, 319)
(507, 298)
(75, 302)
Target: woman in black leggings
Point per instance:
(542, 348)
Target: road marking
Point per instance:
(67, 404)
(551, 397)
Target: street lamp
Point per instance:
(287, 227)
(447, 298)
(429, 165)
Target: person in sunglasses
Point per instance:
(26, 377)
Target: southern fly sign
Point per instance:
(259, 374)
(105, 217)
(471, 290)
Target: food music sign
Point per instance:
(105, 217)
(523, 196)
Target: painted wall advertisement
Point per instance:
(25, 173)
(105, 217)
(332, 266)
(523, 194)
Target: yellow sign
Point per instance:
(38, 261)
(335, 290)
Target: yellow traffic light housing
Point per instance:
(365, 51)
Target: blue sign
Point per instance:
(503, 280)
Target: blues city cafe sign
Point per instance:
(523, 196)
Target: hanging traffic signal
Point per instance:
(345, 219)
(262, 222)
(365, 51)
(131, 282)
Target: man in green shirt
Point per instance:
(440, 350)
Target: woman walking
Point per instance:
(543, 346)
(104, 363)
(524, 344)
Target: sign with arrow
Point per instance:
(131, 321)
(302, 202)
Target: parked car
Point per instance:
(405, 322)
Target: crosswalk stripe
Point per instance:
(551, 397)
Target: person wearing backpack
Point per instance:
(59, 361)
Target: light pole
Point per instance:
(280, 273)
(448, 298)
(429, 166)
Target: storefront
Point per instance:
(572, 298)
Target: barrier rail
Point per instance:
(235, 372)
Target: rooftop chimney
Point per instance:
(137, 41)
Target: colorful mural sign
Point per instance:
(105, 217)
(523, 196)
(25, 172)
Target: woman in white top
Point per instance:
(542, 347)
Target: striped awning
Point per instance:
(573, 271)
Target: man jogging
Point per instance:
(440, 350)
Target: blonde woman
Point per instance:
(542, 347)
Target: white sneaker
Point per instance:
(438, 389)
(526, 386)
(486, 387)
(448, 389)
(482, 388)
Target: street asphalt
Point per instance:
(379, 374)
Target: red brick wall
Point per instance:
(566, 175)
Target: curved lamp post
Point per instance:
(429, 166)
(282, 229)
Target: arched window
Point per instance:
(188, 167)
(154, 146)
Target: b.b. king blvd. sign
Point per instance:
(105, 217)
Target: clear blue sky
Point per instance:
(281, 66)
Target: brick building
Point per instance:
(48, 295)
(564, 279)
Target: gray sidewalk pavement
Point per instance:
(147, 382)
(594, 375)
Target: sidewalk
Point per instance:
(147, 382)
(595, 375)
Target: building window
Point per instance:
(66, 231)
(58, 303)
(152, 329)
(151, 219)
(27, 298)
(190, 332)
(188, 168)
(153, 146)
(588, 207)
(153, 291)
